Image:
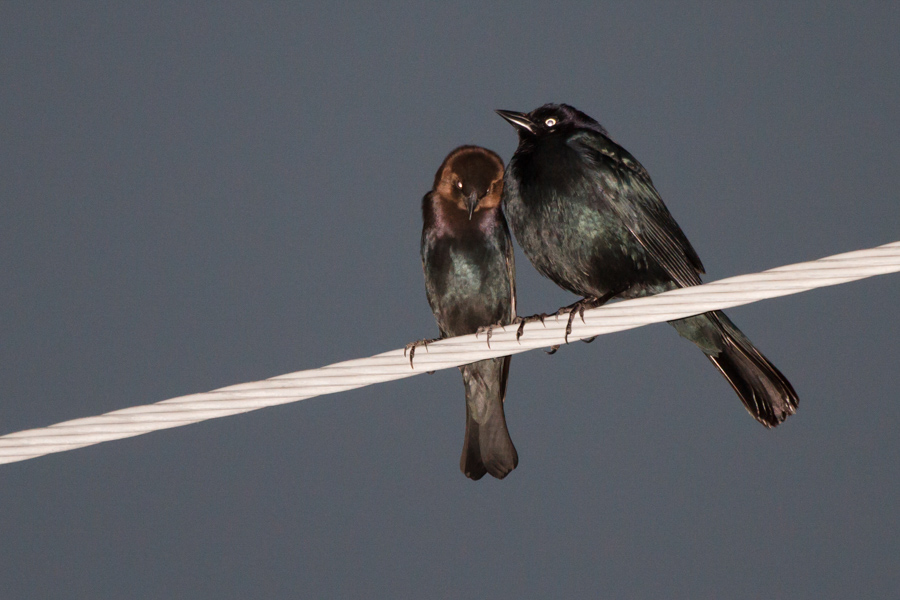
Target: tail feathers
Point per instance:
(765, 392)
(487, 447)
(470, 462)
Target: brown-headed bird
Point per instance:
(467, 257)
(588, 217)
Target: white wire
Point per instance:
(445, 354)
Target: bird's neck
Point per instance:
(452, 220)
(550, 166)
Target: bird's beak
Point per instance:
(472, 203)
(517, 120)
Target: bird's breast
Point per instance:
(566, 229)
(468, 284)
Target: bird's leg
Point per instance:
(411, 348)
(579, 308)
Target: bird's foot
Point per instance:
(552, 349)
(521, 321)
(579, 307)
(488, 330)
(411, 348)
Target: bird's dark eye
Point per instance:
(550, 122)
(459, 184)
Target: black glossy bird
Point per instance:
(467, 256)
(587, 216)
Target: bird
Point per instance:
(588, 217)
(468, 260)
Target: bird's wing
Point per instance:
(427, 251)
(629, 192)
(510, 270)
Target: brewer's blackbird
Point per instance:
(587, 216)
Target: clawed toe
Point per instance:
(579, 308)
(411, 348)
(569, 325)
(488, 330)
(523, 320)
(521, 329)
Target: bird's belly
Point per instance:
(584, 250)
(470, 292)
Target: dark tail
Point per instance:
(487, 447)
(765, 392)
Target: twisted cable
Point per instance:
(452, 352)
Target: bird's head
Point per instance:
(548, 120)
(470, 177)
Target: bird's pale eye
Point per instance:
(550, 122)
(459, 184)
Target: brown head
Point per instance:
(470, 177)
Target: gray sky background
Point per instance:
(196, 196)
